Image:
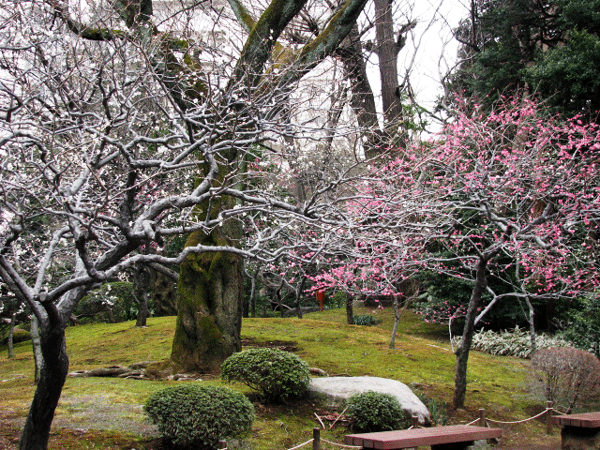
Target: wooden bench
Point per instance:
(454, 437)
(579, 431)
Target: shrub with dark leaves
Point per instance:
(275, 374)
(376, 411)
(197, 416)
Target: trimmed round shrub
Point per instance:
(19, 335)
(197, 416)
(569, 377)
(275, 374)
(376, 411)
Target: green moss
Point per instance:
(211, 333)
(322, 339)
(176, 43)
(199, 339)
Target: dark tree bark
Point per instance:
(141, 285)
(298, 291)
(349, 311)
(462, 353)
(531, 319)
(387, 51)
(387, 48)
(54, 371)
(355, 69)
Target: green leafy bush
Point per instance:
(192, 415)
(19, 335)
(376, 411)
(515, 342)
(111, 303)
(275, 374)
(337, 300)
(366, 319)
(584, 324)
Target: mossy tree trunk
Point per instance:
(210, 285)
(209, 305)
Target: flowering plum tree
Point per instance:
(511, 196)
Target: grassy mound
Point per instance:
(107, 413)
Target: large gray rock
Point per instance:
(339, 389)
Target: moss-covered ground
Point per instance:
(107, 413)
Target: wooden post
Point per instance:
(415, 421)
(316, 439)
(549, 411)
(414, 424)
(482, 422)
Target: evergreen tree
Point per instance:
(549, 48)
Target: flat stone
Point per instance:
(340, 389)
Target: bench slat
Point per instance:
(390, 440)
(583, 420)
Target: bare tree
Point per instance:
(115, 134)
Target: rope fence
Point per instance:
(483, 421)
(480, 421)
(315, 441)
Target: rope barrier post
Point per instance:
(222, 445)
(316, 438)
(482, 421)
(415, 421)
(549, 410)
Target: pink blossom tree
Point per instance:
(511, 196)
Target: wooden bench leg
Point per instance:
(454, 446)
(576, 438)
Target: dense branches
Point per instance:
(507, 202)
(116, 135)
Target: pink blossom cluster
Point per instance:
(513, 183)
